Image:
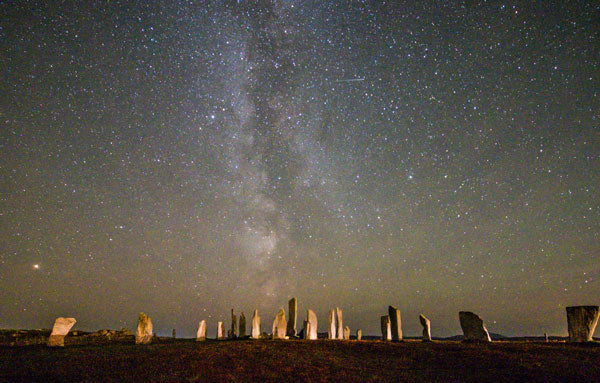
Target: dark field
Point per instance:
(296, 360)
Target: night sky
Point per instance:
(183, 159)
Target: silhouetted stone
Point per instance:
(346, 333)
(220, 331)
(255, 325)
(358, 334)
(473, 327)
(311, 327)
(582, 321)
(340, 327)
(143, 335)
(279, 325)
(174, 334)
(201, 333)
(426, 327)
(332, 326)
(395, 323)
(233, 331)
(292, 313)
(386, 328)
(242, 329)
(61, 328)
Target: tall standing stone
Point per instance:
(201, 333)
(279, 325)
(233, 331)
(426, 327)
(582, 321)
(292, 313)
(174, 334)
(395, 323)
(386, 328)
(255, 325)
(143, 335)
(473, 327)
(311, 327)
(332, 326)
(242, 331)
(61, 328)
(346, 333)
(340, 327)
(359, 334)
(220, 331)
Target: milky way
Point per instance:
(183, 159)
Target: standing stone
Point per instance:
(174, 334)
(242, 331)
(279, 325)
(582, 321)
(233, 325)
(395, 323)
(292, 310)
(255, 325)
(346, 333)
(426, 328)
(143, 335)
(340, 327)
(546, 337)
(201, 333)
(386, 328)
(304, 333)
(311, 328)
(358, 334)
(473, 327)
(61, 328)
(332, 326)
(220, 331)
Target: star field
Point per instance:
(185, 158)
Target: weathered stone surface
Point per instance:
(426, 327)
(332, 326)
(346, 333)
(292, 313)
(61, 328)
(340, 327)
(395, 323)
(473, 327)
(255, 325)
(386, 328)
(143, 335)
(242, 331)
(311, 328)
(304, 333)
(582, 321)
(233, 331)
(279, 325)
(201, 333)
(220, 331)
(358, 334)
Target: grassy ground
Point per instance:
(322, 360)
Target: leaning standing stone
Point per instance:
(255, 325)
(358, 334)
(143, 335)
(201, 333)
(279, 325)
(386, 328)
(346, 333)
(395, 323)
(582, 321)
(340, 327)
(292, 313)
(426, 327)
(332, 326)
(220, 331)
(242, 325)
(473, 327)
(61, 328)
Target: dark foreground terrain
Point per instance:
(297, 360)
